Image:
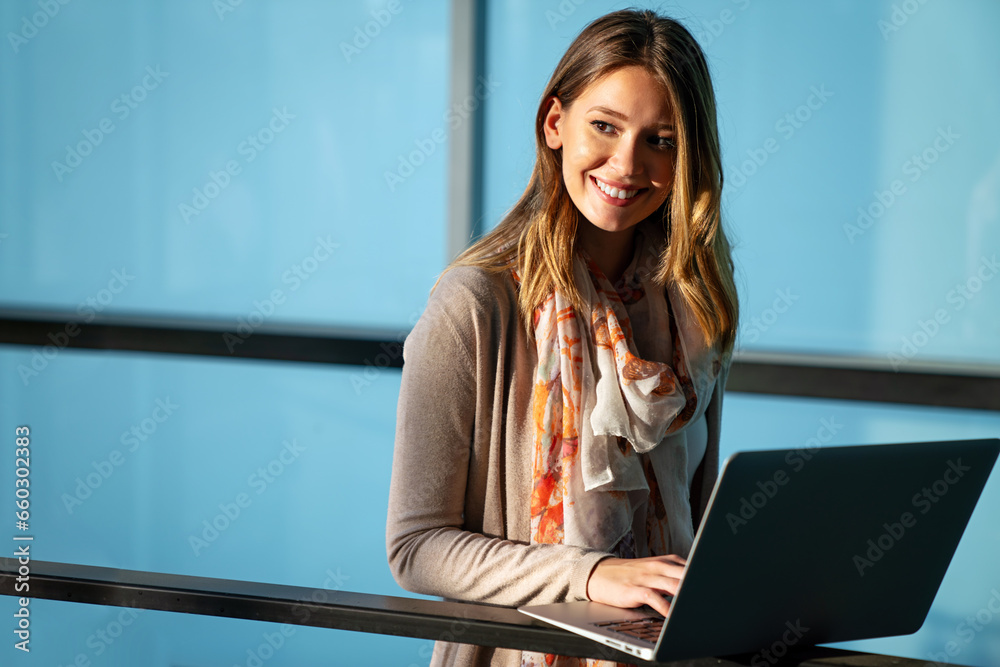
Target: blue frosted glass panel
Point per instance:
(824, 108)
(970, 588)
(134, 454)
(72, 635)
(214, 157)
(255, 471)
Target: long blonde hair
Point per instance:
(537, 237)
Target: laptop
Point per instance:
(804, 547)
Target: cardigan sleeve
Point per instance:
(444, 404)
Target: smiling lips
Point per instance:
(615, 195)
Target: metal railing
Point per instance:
(483, 625)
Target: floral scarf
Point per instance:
(610, 459)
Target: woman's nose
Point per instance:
(625, 159)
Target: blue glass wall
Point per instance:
(246, 162)
(197, 160)
(256, 471)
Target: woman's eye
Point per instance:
(664, 142)
(602, 127)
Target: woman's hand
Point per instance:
(633, 582)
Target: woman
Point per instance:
(558, 421)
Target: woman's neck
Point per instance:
(611, 251)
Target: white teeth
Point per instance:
(615, 192)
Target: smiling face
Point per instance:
(618, 151)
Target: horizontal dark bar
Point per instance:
(220, 338)
(861, 379)
(816, 376)
(482, 625)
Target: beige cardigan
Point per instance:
(458, 523)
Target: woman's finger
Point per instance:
(659, 603)
(634, 582)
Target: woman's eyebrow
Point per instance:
(617, 114)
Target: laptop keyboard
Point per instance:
(647, 629)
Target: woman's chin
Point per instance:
(613, 224)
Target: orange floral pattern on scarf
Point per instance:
(557, 413)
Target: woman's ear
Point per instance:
(553, 121)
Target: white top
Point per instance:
(697, 443)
